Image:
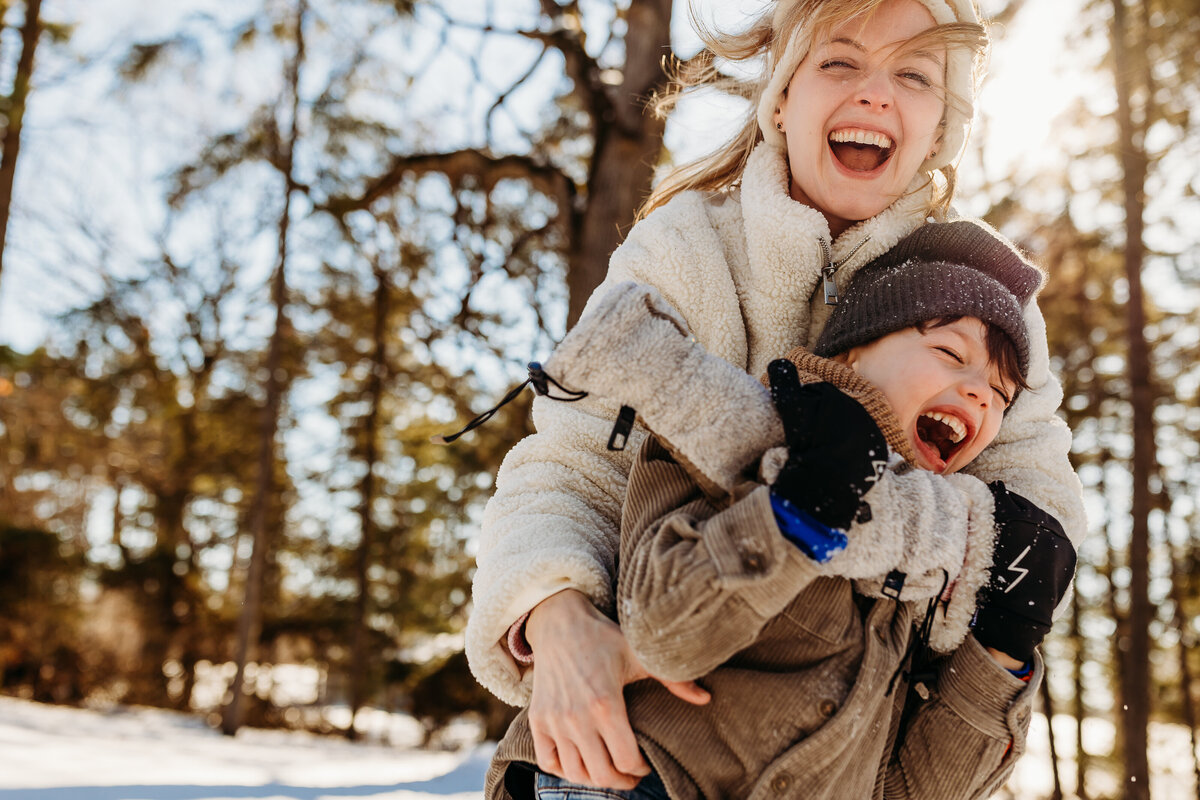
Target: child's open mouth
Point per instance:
(860, 150)
(942, 433)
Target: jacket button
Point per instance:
(752, 562)
(781, 782)
(827, 708)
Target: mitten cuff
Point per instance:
(1009, 633)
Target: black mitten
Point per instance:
(836, 452)
(1032, 566)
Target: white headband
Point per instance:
(960, 83)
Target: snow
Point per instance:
(58, 753)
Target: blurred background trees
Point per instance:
(260, 252)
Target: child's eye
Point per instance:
(1003, 395)
(950, 353)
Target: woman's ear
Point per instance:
(941, 137)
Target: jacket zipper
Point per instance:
(831, 267)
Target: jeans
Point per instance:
(552, 787)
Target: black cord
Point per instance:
(541, 385)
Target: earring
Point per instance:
(779, 127)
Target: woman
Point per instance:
(862, 109)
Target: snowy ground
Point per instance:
(54, 753)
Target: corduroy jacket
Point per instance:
(799, 668)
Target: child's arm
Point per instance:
(963, 741)
(969, 728)
(697, 585)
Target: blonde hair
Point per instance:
(768, 38)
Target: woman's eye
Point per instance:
(836, 63)
(918, 78)
(950, 353)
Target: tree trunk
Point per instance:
(1186, 639)
(628, 144)
(1080, 711)
(250, 620)
(31, 31)
(362, 631)
(1048, 710)
(1136, 676)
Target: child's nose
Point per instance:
(976, 390)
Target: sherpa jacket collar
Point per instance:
(788, 244)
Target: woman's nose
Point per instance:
(875, 90)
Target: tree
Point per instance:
(14, 111)
(1134, 166)
(595, 161)
(250, 621)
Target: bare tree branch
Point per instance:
(456, 165)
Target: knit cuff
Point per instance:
(518, 645)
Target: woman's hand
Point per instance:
(580, 728)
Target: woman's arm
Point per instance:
(551, 525)
(553, 522)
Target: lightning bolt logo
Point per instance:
(1021, 572)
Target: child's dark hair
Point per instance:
(1001, 350)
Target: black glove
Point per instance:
(836, 452)
(1032, 566)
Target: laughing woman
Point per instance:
(849, 145)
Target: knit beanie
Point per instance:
(960, 80)
(962, 268)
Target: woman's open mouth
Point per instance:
(943, 434)
(861, 150)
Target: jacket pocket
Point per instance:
(826, 610)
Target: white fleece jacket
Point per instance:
(744, 271)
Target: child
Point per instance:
(800, 671)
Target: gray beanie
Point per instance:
(943, 269)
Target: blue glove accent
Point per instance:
(815, 539)
(1024, 671)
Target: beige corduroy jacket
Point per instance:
(744, 270)
(799, 668)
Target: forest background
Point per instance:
(252, 255)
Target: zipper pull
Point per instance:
(831, 293)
